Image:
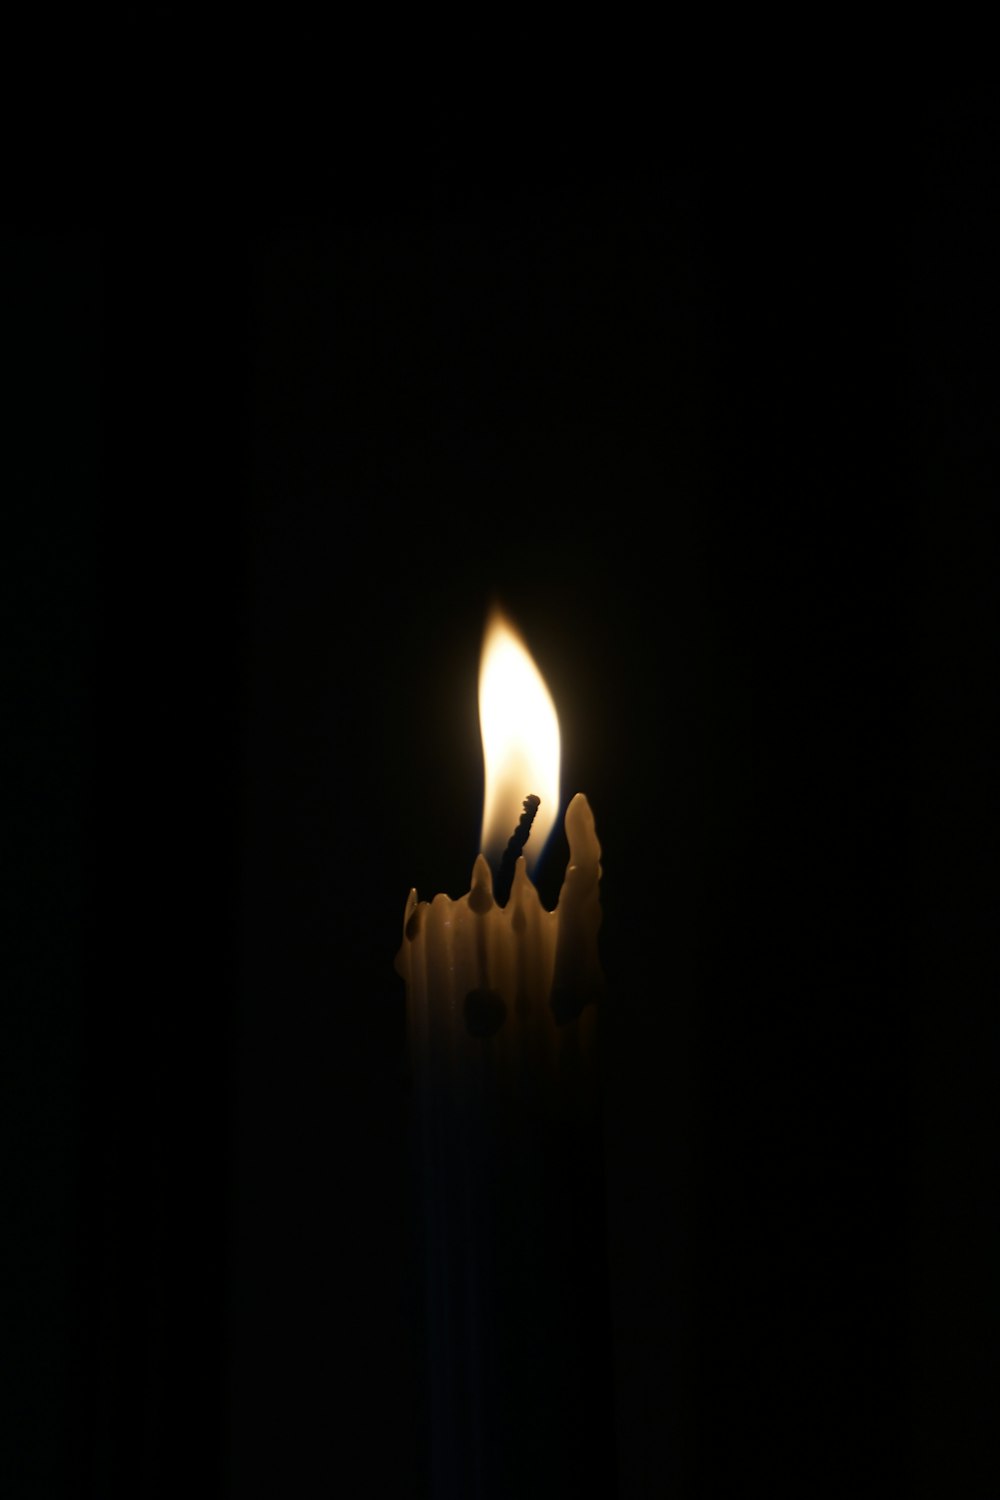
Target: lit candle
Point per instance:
(502, 1010)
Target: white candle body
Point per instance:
(502, 1033)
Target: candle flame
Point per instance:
(520, 731)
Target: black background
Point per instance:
(709, 417)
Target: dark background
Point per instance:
(711, 419)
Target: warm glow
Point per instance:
(520, 742)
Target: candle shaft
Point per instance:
(509, 1173)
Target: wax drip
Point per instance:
(513, 851)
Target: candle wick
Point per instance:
(513, 851)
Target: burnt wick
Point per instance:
(514, 850)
